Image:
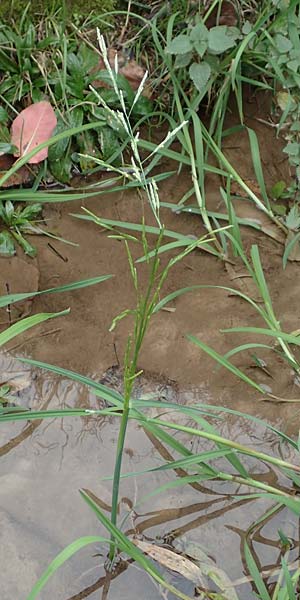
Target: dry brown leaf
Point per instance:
(294, 254)
(172, 560)
(22, 175)
(207, 565)
(273, 232)
(188, 569)
(133, 72)
(228, 15)
(237, 190)
(243, 280)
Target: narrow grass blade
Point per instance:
(261, 281)
(244, 347)
(69, 287)
(242, 47)
(177, 208)
(205, 246)
(65, 195)
(255, 153)
(192, 288)
(60, 559)
(254, 572)
(291, 587)
(27, 323)
(225, 363)
(289, 247)
(218, 439)
(127, 546)
(98, 388)
(194, 459)
(109, 223)
(280, 335)
(19, 414)
(179, 157)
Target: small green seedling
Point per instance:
(17, 221)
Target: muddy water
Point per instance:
(45, 463)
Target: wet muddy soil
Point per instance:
(43, 464)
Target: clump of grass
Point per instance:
(201, 465)
(60, 64)
(67, 9)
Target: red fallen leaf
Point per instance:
(33, 126)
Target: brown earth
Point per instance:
(82, 342)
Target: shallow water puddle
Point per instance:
(45, 463)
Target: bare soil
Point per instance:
(82, 341)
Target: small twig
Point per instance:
(64, 258)
(123, 31)
(116, 354)
(8, 306)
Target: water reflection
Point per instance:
(44, 463)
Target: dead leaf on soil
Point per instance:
(188, 569)
(172, 560)
(294, 254)
(22, 175)
(207, 566)
(227, 16)
(252, 184)
(33, 126)
(133, 72)
(243, 280)
(272, 231)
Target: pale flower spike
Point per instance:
(136, 172)
(154, 200)
(116, 63)
(168, 137)
(117, 114)
(140, 89)
(106, 61)
(122, 120)
(134, 146)
(121, 97)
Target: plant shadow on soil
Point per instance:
(45, 463)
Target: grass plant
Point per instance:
(198, 467)
(223, 242)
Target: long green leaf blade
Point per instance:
(69, 287)
(27, 323)
(254, 572)
(60, 559)
(225, 363)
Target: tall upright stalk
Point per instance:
(144, 308)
